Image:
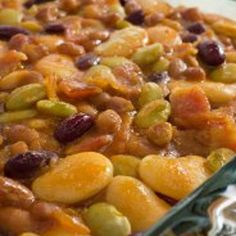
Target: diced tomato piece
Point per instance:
(188, 106)
(77, 90)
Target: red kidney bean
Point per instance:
(30, 3)
(27, 164)
(189, 38)
(196, 28)
(73, 127)
(136, 17)
(7, 31)
(86, 61)
(55, 28)
(211, 53)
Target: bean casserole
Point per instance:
(111, 112)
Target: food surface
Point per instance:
(110, 112)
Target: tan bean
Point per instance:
(18, 148)
(15, 220)
(109, 121)
(14, 194)
(20, 78)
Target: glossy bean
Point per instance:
(150, 92)
(73, 127)
(25, 96)
(218, 158)
(171, 176)
(26, 165)
(123, 42)
(6, 31)
(75, 178)
(154, 112)
(55, 64)
(9, 117)
(161, 65)
(225, 74)
(136, 201)
(226, 28)
(20, 78)
(10, 16)
(56, 108)
(14, 194)
(160, 134)
(115, 61)
(148, 54)
(105, 220)
(125, 165)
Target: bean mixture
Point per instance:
(110, 112)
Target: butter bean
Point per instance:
(25, 96)
(136, 201)
(175, 178)
(123, 42)
(56, 108)
(75, 178)
(55, 64)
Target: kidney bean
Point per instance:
(86, 61)
(196, 28)
(6, 31)
(136, 17)
(30, 3)
(211, 53)
(54, 28)
(189, 38)
(26, 165)
(73, 127)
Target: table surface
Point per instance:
(223, 7)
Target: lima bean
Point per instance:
(173, 177)
(225, 74)
(14, 116)
(25, 96)
(115, 61)
(121, 24)
(10, 16)
(161, 65)
(136, 201)
(154, 112)
(148, 54)
(105, 220)
(56, 108)
(150, 92)
(218, 158)
(226, 28)
(75, 178)
(125, 165)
